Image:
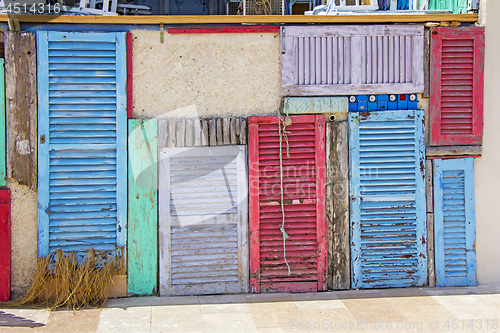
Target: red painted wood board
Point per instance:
(4, 245)
(457, 84)
(223, 30)
(304, 205)
(130, 104)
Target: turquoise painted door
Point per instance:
(82, 133)
(387, 189)
(454, 222)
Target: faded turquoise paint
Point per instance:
(304, 105)
(142, 206)
(458, 6)
(2, 123)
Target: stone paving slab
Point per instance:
(467, 309)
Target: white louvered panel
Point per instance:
(203, 185)
(203, 220)
(205, 254)
(455, 260)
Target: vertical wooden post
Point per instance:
(142, 207)
(130, 90)
(21, 102)
(429, 177)
(337, 205)
(3, 165)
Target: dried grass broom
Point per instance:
(63, 281)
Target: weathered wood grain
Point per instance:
(21, 107)
(429, 191)
(212, 130)
(218, 126)
(453, 150)
(162, 132)
(243, 131)
(427, 62)
(142, 245)
(431, 268)
(180, 134)
(337, 205)
(171, 136)
(226, 125)
(189, 133)
(197, 132)
(204, 132)
(233, 134)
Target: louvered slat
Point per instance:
(348, 60)
(203, 220)
(387, 199)
(82, 163)
(457, 87)
(454, 222)
(303, 199)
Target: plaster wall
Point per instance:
(24, 236)
(197, 75)
(487, 170)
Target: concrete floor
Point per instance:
(468, 309)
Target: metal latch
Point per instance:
(42, 139)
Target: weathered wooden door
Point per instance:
(388, 213)
(454, 222)
(203, 197)
(303, 199)
(82, 135)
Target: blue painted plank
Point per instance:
(454, 222)
(83, 196)
(388, 213)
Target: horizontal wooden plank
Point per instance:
(239, 19)
(222, 30)
(454, 151)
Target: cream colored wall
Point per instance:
(487, 168)
(24, 237)
(201, 75)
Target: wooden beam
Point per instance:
(431, 268)
(453, 151)
(241, 19)
(142, 228)
(21, 107)
(429, 186)
(337, 206)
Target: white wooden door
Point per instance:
(203, 220)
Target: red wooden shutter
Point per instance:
(304, 205)
(456, 99)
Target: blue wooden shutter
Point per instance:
(82, 157)
(454, 222)
(388, 215)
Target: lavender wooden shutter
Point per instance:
(350, 60)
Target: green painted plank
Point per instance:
(305, 105)
(142, 242)
(2, 124)
(457, 6)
